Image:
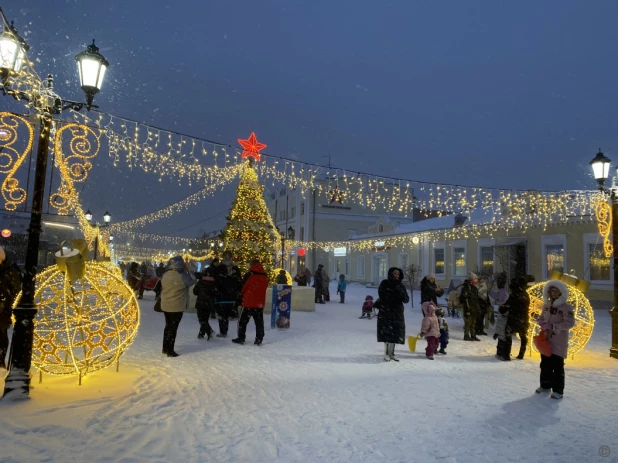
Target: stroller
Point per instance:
(453, 304)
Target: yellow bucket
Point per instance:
(412, 342)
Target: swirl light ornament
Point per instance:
(84, 145)
(11, 158)
(603, 213)
(580, 334)
(85, 325)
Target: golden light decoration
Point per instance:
(580, 334)
(11, 158)
(84, 326)
(603, 213)
(84, 146)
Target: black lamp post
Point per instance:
(600, 169)
(107, 218)
(45, 102)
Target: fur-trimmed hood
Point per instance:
(564, 292)
(429, 309)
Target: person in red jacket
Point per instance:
(253, 300)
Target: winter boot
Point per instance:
(222, 335)
(474, 338)
(430, 358)
(237, 341)
(200, 336)
(172, 354)
(387, 358)
(391, 352)
(467, 338)
(539, 390)
(258, 342)
(520, 357)
(556, 395)
(442, 351)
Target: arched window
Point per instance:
(380, 228)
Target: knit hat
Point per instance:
(430, 276)
(472, 276)
(2, 254)
(369, 298)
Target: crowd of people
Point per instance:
(555, 321)
(220, 289)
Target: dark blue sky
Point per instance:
(490, 93)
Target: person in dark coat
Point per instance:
(391, 322)
(205, 289)
(301, 279)
(237, 277)
(225, 300)
(282, 278)
(133, 275)
(160, 270)
(518, 307)
(430, 291)
(469, 299)
(10, 285)
(143, 275)
(318, 283)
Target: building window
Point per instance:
(360, 267)
(302, 234)
(380, 228)
(487, 260)
(554, 255)
(302, 208)
(438, 261)
(403, 261)
(599, 264)
(459, 262)
(293, 211)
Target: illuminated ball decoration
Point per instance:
(85, 325)
(6, 233)
(580, 334)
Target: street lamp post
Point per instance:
(46, 103)
(600, 169)
(106, 220)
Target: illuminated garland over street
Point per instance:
(168, 153)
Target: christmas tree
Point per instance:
(249, 233)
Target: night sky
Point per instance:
(488, 93)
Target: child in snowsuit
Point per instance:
(443, 331)
(367, 308)
(430, 329)
(341, 286)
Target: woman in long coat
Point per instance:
(391, 322)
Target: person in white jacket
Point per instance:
(174, 299)
(556, 319)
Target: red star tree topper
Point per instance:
(251, 147)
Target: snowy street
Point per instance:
(318, 392)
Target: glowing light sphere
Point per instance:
(85, 325)
(580, 334)
(6, 233)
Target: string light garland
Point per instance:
(376, 193)
(580, 334)
(11, 158)
(82, 326)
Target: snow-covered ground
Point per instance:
(318, 392)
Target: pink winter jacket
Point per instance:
(562, 319)
(430, 325)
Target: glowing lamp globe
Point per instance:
(91, 66)
(6, 233)
(85, 325)
(600, 168)
(580, 334)
(12, 51)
